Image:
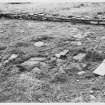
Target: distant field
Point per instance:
(76, 9)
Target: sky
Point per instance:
(50, 0)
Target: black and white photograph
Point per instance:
(52, 51)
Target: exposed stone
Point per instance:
(80, 56)
(77, 80)
(81, 72)
(64, 52)
(39, 44)
(92, 98)
(83, 65)
(76, 66)
(37, 59)
(30, 63)
(36, 70)
(13, 56)
(91, 91)
(44, 66)
(73, 68)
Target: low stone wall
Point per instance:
(52, 18)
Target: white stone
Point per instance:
(36, 70)
(6, 61)
(30, 63)
(91, 91)
(64, 52)
(77, 66)
(92, 97)
(39, 44)
(37, 59)
(79, 43)
(33, 61)
(94, 22)
(13, 56)
(81, 73)
(79, 57)
(79, 35)
(100, 70)
(77, 80)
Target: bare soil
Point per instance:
(52, 79)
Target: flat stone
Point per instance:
(30, 63)
(74, 67)
(94, 22)
(79, 35)
(103, 38)
(100, 70)
(83, 65)
(78, 43)
(77, 80)
(33, 61)
(44, 66)
(92, 97)
(64, 52)
(80, 56)
(36, 70)
(39, 44)
(91, 91)
(13, 56)
(81, 72)
(37, 59)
